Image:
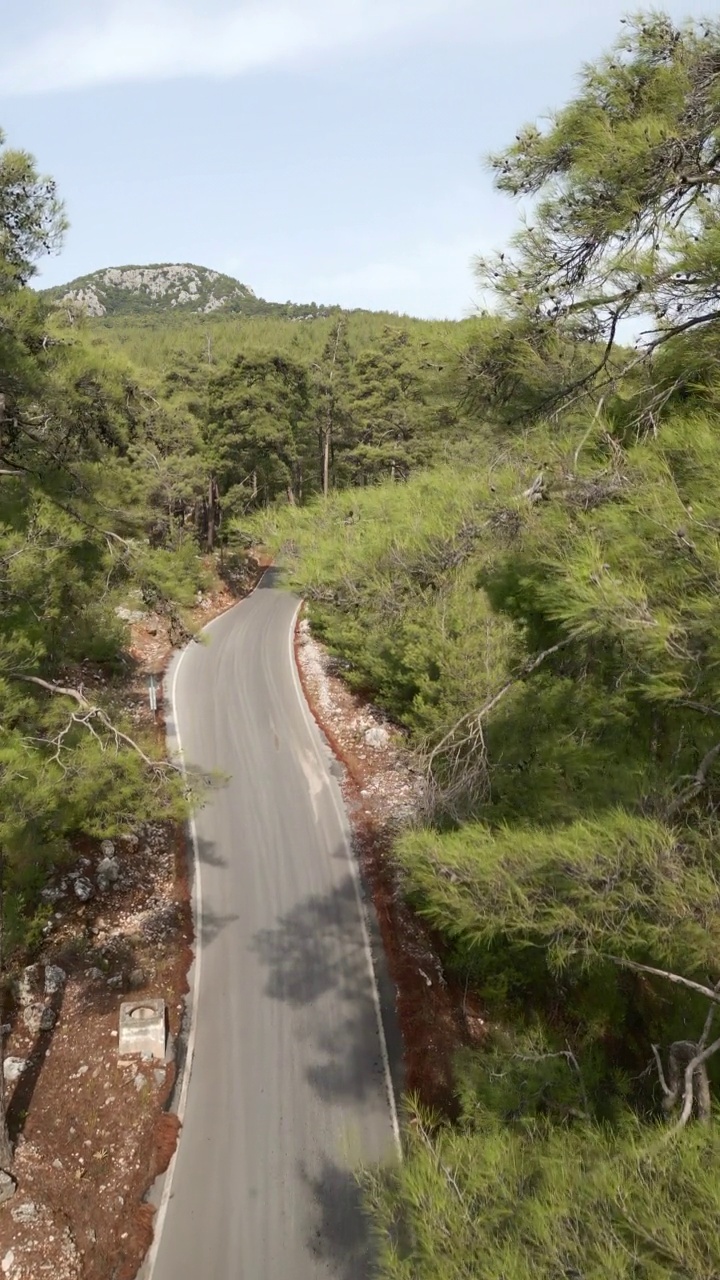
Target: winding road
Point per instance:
(288, 1087)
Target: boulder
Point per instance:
(30, 985)
(107, 848)
(137, 978)
(13, 1068)
(377, 736)
(107, 873)
(83, 889)
(48, 1019)
(8, 1186)
(39, 1017)
(55, 979)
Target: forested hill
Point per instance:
(161, 288)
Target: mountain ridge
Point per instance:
(166, 287)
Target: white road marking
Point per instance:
(344, 826)
(151, 1259)
(197, 922)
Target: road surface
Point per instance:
(288, 1088)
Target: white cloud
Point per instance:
(121, 40)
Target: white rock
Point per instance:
(83, 889)
(51, 894)
(32, 1016)
(13, 1069)
(108, 872)
(30, 984)
(377, 736)
(55, 979)
(26, 1212)
(7, 1262)
(130, 615)
(107, 848)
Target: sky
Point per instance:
(328, 151)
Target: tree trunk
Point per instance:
(682, 1053)
(326, 457)
(291, 496)
(213, 512)
(329, 417)
(254, 486)
(211, 518)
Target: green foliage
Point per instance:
(76, 513)
(257, 419)
(541, 614)
(538, 1200)
(625, 222)
(31, 217)
(616, 885)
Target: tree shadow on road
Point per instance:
(316, 956)
(341, 1239)
(211, 922)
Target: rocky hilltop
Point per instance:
(158, 287)
(167, 288)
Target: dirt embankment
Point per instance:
(382, 789)
(92, 1131)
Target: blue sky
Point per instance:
(319, 150)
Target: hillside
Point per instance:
(167, 288)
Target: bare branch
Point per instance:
(87, 721)
(524, 671)
(58, 689)
(698, 783)
(711, 993)
(691, 1071)
(663, 1083)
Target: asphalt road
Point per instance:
(287, 1091)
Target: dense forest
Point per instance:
(508, 530)
(132, 449)
(540, 611)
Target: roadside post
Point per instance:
(152, 695)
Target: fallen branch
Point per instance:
(695, 1073)
(91, 714)
(477, 716)
(699, 781)
(58, 689)
(710, 993)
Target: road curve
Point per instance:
(288, 1089)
